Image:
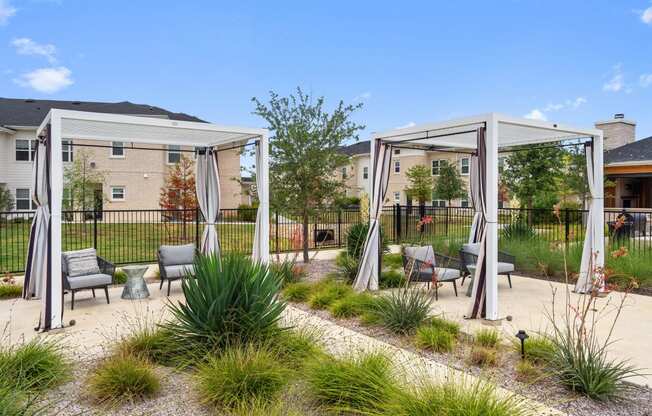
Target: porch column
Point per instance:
(491, 185)
(52, 301)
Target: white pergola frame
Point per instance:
(501, 131)
(80, 125)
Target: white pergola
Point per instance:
(484, 136)
(43, 269)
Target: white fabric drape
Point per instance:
(36, 268)
(368, 270)
(592, 255)
(207, 184)
(260, 246)
(474, 193)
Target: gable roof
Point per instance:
(638, 151)
(28, 112)
(359, 148)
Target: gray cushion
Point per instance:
(505, 267)
(443, 274)
(80, 262)
(179, 270)
(172, 255)
(421, 253)
(471, 248)
(90, 280)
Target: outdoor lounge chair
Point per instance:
(422, 264)
(469, 257)
(175, 262)
(84, 270)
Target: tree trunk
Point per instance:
(306, 241)
(530, 214)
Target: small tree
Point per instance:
(305, 153)
(449, 185)
(6, 200)
(178, 192)
(82, 182)
(421, 183)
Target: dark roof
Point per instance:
(28, 112)
(359, 148)
(633, 152)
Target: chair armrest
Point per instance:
(106, 267)
(506, 257)
(442, 260)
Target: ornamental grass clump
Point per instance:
(231, 300)
(294, 347)
(444, 325)
(154, 344)
(488, 338)
(483, 356)
(458, 398)
(538, 349)
(391, 279)
(10, 291)
(325, 294)
(123, 379)
(240, 376)
(297, 292)
(402, 311)
(360, 384)
(35, 366)
(433, 338)
(347, 266)
(354, 304)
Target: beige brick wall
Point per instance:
(617, 133)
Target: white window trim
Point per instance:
(397, 200)
(167, 155)
(112, 156)
(31, 202)
(29, 151)
(468, 204)
(438, 166)
(365, 172)
(433, 202)
(468, 166)
(70, 150)
(124, 193)
(394, 167)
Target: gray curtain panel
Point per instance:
(207, 184)
(588, 272)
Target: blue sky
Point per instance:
(409, 62)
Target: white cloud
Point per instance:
(646, 16)
(617, 82)
(408, 125)
(6, 11)
(645, 80)
(26, 46)
(46, 80)
(536, 114)
(362, 97)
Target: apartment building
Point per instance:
(132, 178)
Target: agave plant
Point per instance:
(231, 300)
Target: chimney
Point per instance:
(617, 132)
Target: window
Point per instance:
(464, 166)
(365, 172)
(117, 149)
(397, 151)
(436, 166)
(66, 148)
(117, 193)
(397, 166)
(174, 154)
(397, 197)
(344, 176)
(25, 150)
(439, 203)
(501, 164)
(464, 203)
(24, 199)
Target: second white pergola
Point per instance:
(43, 268)
(484, 136)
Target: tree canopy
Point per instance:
(82, 182)
(421, 183)
(449, 184)
(178, 191)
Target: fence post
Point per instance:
(566, 225)
(447, 218)
(339, 228)
(397, 223)
(95, 228)
(276, 233)
(197, 212)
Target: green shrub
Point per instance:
(369, 318)
(402, 311)
(287, 271)
(391, 279)
(356, 236)
(347, 266)
(295, 346)
(154, 344)
(354, 384)
(216, 311)
(527, 372)
(241, 375)
(297, 292)
(456, 398)
(34, 366)
(352, 305)
(445, 325)
(518, 230)
(17, 403)
(119, 277)
(482, 356)
(393, 261)
(538, 349)
(487, 338)
(325, 294)
(436, 339)
(10, 291)
(120, 379)
(247, 213)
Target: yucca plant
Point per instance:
(402, 311)
(231, 300)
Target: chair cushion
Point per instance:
(173, 255)
(422, 253)
(89, 280)
(179, 270)
(471, 248)
(80, 262)
(505, 267)
(443, 275)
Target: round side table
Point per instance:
(135, 288)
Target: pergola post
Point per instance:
(491, 195)
(52, 301)
(263, 198)
(598, 155)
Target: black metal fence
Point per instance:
(133, 236)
